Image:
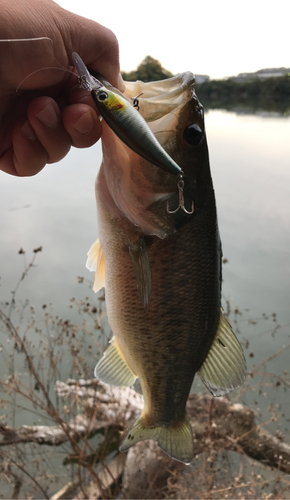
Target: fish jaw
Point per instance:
(140, 189)
(130, 182)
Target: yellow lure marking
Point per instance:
(114, 102)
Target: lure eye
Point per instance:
(102, 96)
(192, 134)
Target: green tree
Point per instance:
(149, 70)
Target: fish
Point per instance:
(161, 266)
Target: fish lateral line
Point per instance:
(142, 271)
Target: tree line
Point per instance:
(268, 94)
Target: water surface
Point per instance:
(250, 167)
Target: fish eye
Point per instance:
(102, 96)
(192, 134)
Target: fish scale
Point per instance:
(180, 318)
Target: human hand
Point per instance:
(44, 114)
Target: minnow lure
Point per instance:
(125, 121)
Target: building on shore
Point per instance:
(261, 74)
(201, 78)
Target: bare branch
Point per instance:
(111, 406)
(216, 423)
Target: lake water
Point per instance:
(250, 168)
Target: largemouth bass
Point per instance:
(161, 268)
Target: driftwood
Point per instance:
(92, 490)
(217, 425)
(114, 406)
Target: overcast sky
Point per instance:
(215, 37)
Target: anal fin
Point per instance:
(175, 440)
(113, 369)
(142, 271)
(96, 262)
(224, 368)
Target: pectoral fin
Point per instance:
(224, 368)
(113, 369)
(142, 271)
(96, 262)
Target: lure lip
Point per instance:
(86, 80)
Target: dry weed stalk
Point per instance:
(220, 469)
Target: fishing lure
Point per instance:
(125, 121)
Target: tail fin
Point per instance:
(175, 440)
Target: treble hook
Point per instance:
(180, 186)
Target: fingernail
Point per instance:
(28, 131)
(48, 116)
(85, 124)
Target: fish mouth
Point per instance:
(159, 98)
(139, 191)
(161, 104)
